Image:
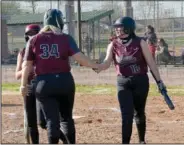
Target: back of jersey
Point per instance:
(51, 53)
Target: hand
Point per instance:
(99, 68)
(161, 86)
(23, 90)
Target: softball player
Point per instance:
(131, 56)
(29, 99)
(55, 86)
(152, 47)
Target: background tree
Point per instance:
(10, 8)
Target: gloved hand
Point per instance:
(161, 86)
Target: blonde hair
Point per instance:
(52, 28)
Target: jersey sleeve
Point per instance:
(73, 48)
(29, 54)
(22, 52)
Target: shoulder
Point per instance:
(70, 38)
(33, 39)
(138, 40)
(112, 40)
(67, 36)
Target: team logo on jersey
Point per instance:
(126, 58)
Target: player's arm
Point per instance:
(27, 64)
(75, 53)
(84, 60)
(149, 59)
(18, 71)
(108, 59)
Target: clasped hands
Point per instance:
(99, 68)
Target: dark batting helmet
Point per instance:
(127, 23)
(54, 17)
(31, 30)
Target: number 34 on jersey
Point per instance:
(49, 51)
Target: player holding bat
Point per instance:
(131, 56)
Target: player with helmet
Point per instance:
(131, 56)
(30, 100)
(55, 86)
(30, 115)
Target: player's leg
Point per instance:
(67, 121)
(140, 96)
(127, 109)
(43, 124)
(49, 105)
(30, 108)
(41, 118)
(66, 108)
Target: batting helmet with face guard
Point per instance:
(31, 30)
(127, 23)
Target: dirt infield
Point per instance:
(100, 120)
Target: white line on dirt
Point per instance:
(105, 108)
(11, 115)
(170, 122)
(13, 131)
(77, 117)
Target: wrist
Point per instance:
(93, 65)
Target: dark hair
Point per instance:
(150, 40)
(163, 42)
(151, 28)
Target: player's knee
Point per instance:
(68, 126)
(53, 130)
(140, 118)
(127, 116)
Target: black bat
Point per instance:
(165, 95)
(26, 128)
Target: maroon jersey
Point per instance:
(32, 74)
(51, 52)
(129, 60)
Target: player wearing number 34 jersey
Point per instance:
(54, 86)
(52, 55)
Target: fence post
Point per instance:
(173, 42)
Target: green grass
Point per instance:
(10, 87)
(106, 89)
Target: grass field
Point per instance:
(105, 89)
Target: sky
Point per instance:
(91, 5)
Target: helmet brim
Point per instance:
(117, 25)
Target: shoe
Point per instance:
(142, 142)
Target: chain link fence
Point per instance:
(167, 21)
(86, 76)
